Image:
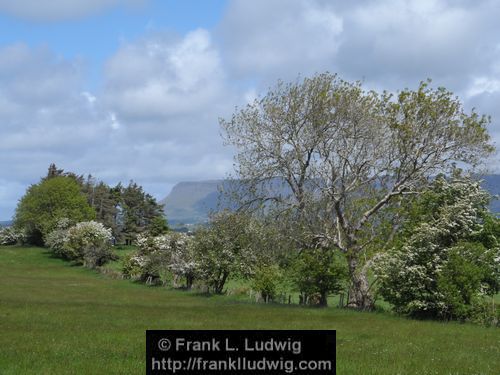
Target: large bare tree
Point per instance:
(347, 157)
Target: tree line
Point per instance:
(126, 210)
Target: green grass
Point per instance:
(122, 251)
(60, 319)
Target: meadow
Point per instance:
(56, 318)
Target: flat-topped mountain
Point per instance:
(191, 202)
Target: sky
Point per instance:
(134, 89)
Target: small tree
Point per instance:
(224, 248)
(270, 280)
(171, 252)
(318, 273)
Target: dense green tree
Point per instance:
(126, 210)
(158, 226)
(139, 211)
(104, 200)
(44, 204)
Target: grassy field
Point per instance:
(59, 319)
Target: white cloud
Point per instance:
(58, 10)
(164, 76)
(280, 39)
(399, 43)
(167, 93)
(482, 85)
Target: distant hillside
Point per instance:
(5, 223)
(191, 202)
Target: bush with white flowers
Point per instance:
(88, 242)
(58, 238)
(451, 260)
(157, 255)
(227, 247)
(11, 236)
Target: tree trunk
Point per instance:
(359, 291)
(323, 299)
(189, 282)
(221, 282)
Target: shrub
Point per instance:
(466, 278)
(11, 236)
(318, 273)
(134, 265)
(269, 281)
(88, 242)
(58, 238)
(451, 259)
(159, 255)
(225, 248)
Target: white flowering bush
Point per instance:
(171, 252)
(225, 248)
(58, 238)
(88, 242)
(450, 261)
(134, 266)
(11, 236)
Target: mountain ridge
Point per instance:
(190, 202)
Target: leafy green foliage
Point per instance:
(468, 275)
(45, 203)
(158, 226)
(318, 273)
(269, 281)
(126, 210)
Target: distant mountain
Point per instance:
(191, 202)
